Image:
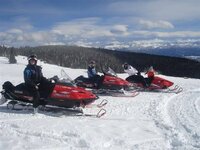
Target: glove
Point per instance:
(52, 81)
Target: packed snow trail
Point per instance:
(177, 117)
(185, 118)
(151, 120)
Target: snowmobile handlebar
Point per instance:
(54, 79)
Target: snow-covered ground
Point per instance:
(156, 121)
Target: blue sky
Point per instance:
(96, 22)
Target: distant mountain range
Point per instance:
(179, 48)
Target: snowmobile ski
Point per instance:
(177, 89)
(103, 103)
(76, 111)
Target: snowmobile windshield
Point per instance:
(66, 79)
(111, 72)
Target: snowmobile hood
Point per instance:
(114, 80)
(76, 93)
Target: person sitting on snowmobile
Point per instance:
(91, 69)
(150, 74)
(129, 69)
(33, 77)
(92, 74)
(134, 74)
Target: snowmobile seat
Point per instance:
(8, 86)
(21, 89)
(83, 79)
(135, 78)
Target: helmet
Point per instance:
(150, 72)
(92, 63)
(32, 59)
(125, 66)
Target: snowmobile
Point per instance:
(153, 83)
(58, 93)
(109, 84)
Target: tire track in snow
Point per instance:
(178, 118)
(184, 114)
(155, 112)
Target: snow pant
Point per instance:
(137, 79)
(35, 93)
(100, 82)
(45, 87)
(97, 80)
(149, 80)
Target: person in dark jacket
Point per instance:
(93, 76)
(91, 69)
(33, 77)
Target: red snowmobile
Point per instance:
(153, 83)
(60, 93)
(108, 80)
(109, 83)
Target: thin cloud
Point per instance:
(120, 30)
(15, 31)
(85, 28)
(147, 24)
(158, 9)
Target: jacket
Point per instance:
(91, 72)
(130, 70)
(33, 74)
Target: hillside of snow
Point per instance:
(151, 120)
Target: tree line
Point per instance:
(79, 57)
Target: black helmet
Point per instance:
(92, 63)
(125, 66)
(32, 57)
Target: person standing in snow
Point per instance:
(134, 74)
(33, 77)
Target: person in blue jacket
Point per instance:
(33, 77)
(91, 69)
(92, 74)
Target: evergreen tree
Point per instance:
(12, 59)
